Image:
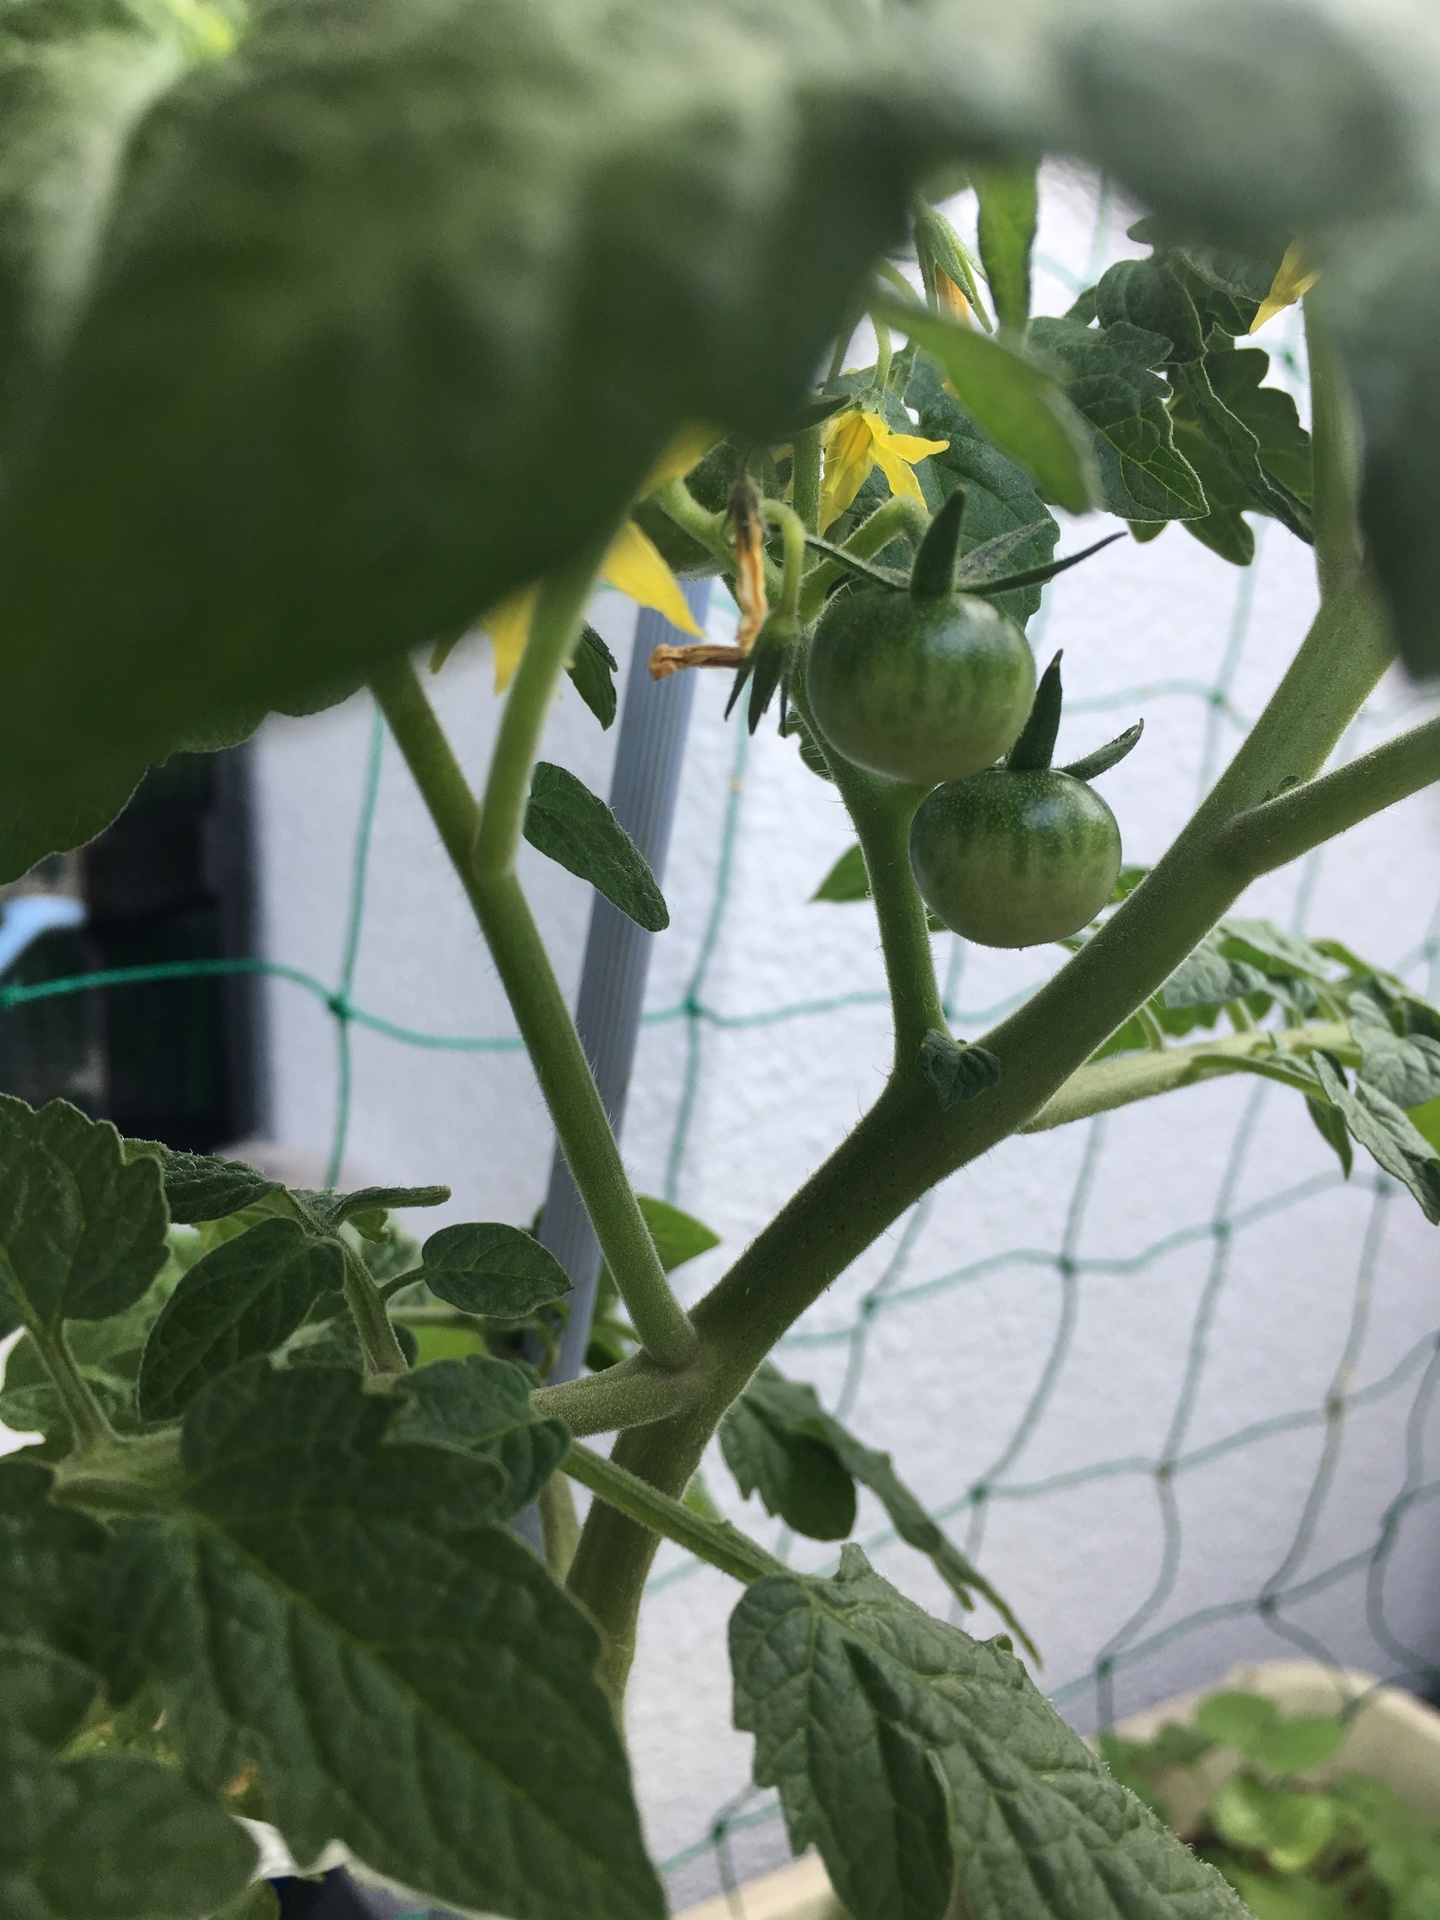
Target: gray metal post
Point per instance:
(648, 759)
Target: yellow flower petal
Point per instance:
(901, 478)
(686, 450)
(636, 566)
(848, 460)
(509, 628)
(909, 446)
(1295, 277)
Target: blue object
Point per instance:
(29, 916)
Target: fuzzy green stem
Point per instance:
(882, 811)
(89, 1427)
(805, 476)
(897, 516)
(529, 980)
(1119, 1082)
(559, 609)
(710, 530)
(384, 1359)
(792, 529)
(714, 1541)
(628, 1395)
(1281, 830)
(559, 1525)
(884, 348)
(1335, 443)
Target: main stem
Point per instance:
(482, 846)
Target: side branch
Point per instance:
(1108, 1084)
(1280, 830)
(714, 1541)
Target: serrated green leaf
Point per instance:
(246, 1297)
(1224, 529)
(339, 1613)
(200, 1187)
(573, 826)
(488, 1267)
(797, 1475)
(110, 1837)
(1147, 295)
(1022, 409)
(1387, 1133)
(592, 672)
(82, 1234)
(956, 1071)
(1330, 1125)
(791, 1411)
(1009, 203)
(1278, 953)
(49, 1566)
(1270, 414)
(1007, 527)
(1206, 978)
(1236, 443)
(1037, 1828)
(1404, 1067)
(482, 1406)
(1109, 381)
(847, 880)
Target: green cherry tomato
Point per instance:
(921, 689)
(1013, 859)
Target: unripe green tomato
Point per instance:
(919, 688)
(1014, 859)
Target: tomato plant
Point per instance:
(330, 329)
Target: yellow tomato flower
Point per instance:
(858, 440)
(1295, 277)
(634, 564)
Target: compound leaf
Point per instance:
(573, 826)
(851, 1690)
(112, 1837)
(1143, 476)
(246, 1297)
(82, 1233)
(482, 1406)
(340, 1614)
(488, 1267)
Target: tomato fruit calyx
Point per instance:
(1026, 852)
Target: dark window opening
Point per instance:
(172, 881)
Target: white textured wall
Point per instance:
(1154, 1284)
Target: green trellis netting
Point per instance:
(1237, 1220)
